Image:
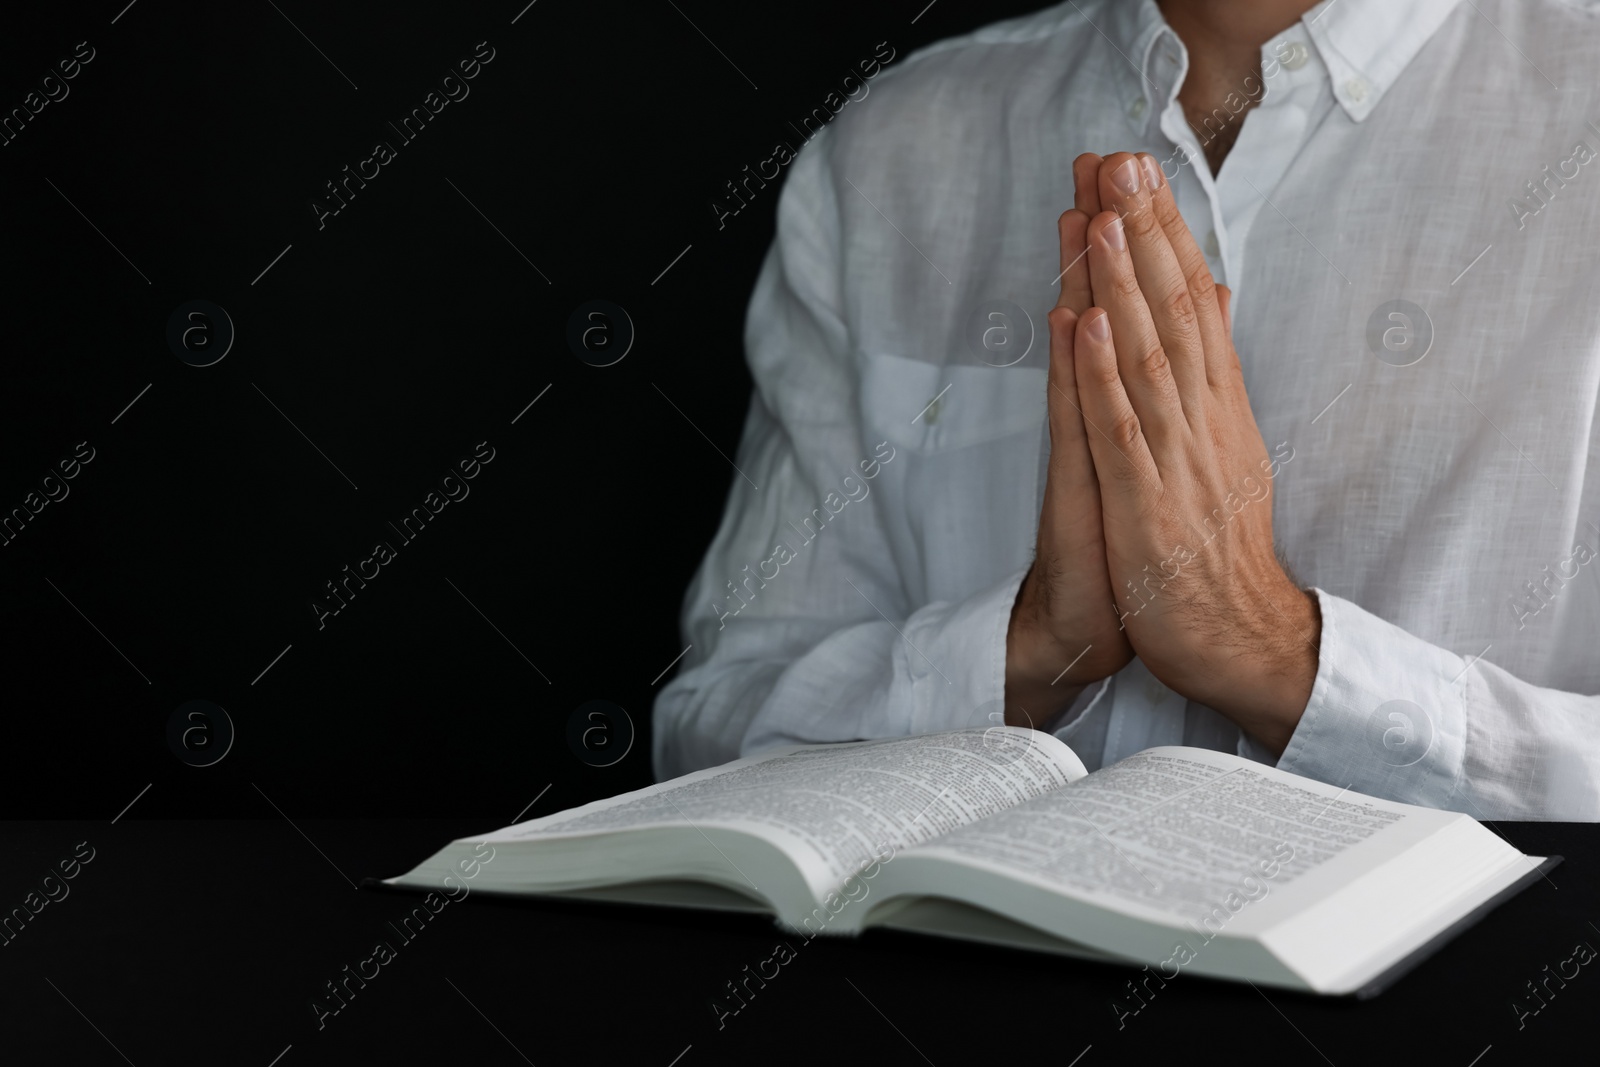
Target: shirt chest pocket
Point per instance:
(931, 408)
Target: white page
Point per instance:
(836, 808)
(1173, 834)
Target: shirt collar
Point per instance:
(1147, 76)
(1365, 44)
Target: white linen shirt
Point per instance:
(1440, 488)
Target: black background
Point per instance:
(376, 353)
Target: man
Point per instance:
(959, 524)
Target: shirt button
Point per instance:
(932, 415)
(1295, 55)
(1136, 109)
(1356, 90)
(1212, 248)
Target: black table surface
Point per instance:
(206, 941)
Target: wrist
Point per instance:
(1266, 685)
(1036, 686)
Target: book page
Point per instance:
(1176, 832)
(835, 809)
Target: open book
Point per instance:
(1177, 858)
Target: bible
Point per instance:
(1180, 859)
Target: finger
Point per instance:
(1073, 228)
(1122, 458)
(1225, 304)
(1070, 485)
(1086, 184)
(1071, 470)
(1126, 189)
(1197, 274)
(1146, 375)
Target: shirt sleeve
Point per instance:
(798, 621)
(1393, 716)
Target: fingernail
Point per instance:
(1099, 328)
(1152, 172)
(1115, 238)
(1126, 178)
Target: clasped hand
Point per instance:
(1155, 537)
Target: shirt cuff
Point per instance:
(1064, 722)
(955, 656)
(1386, 716)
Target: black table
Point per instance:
(205, 942)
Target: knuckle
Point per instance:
(1201, 284)
(1106, 375)
(1140, 223)
(1126, 431)
(1178, 308)
(1220, 438)
(1152, 362)
(1125, 283)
